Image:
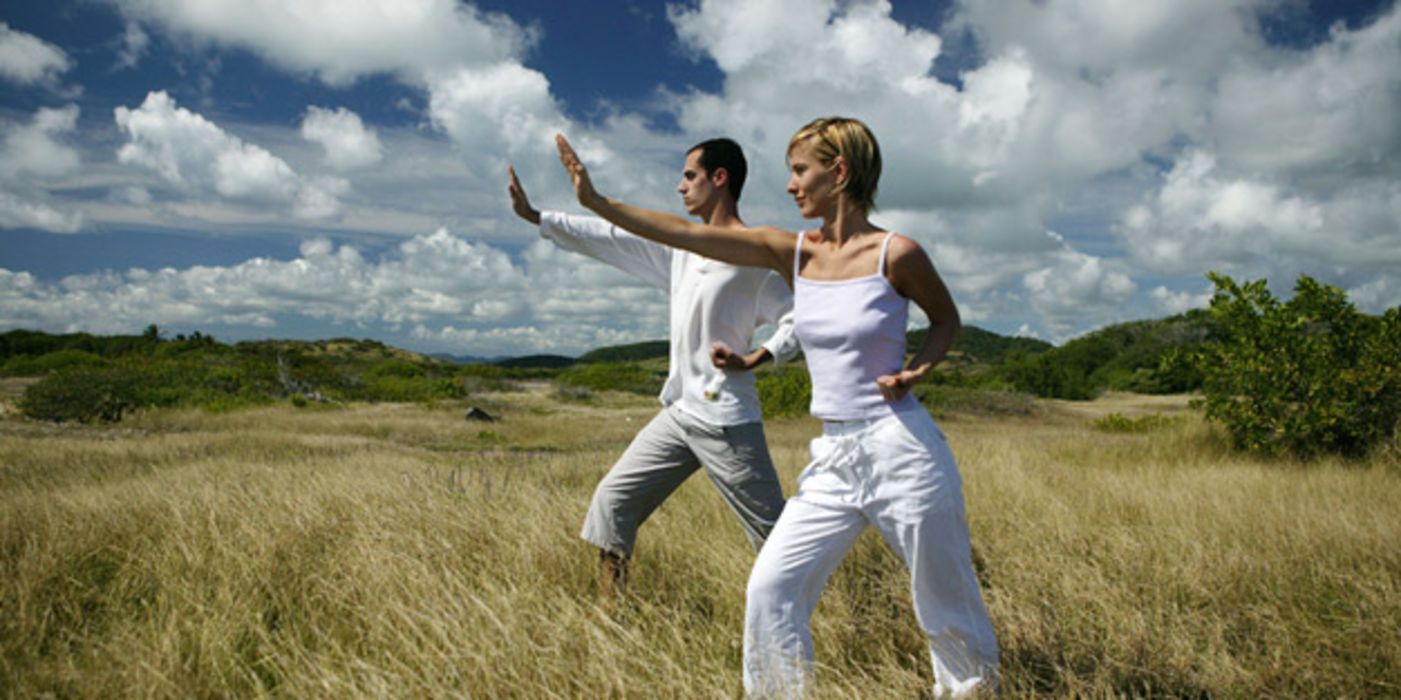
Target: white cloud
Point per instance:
(503, 103)
(194, 155)
(33, 157)
(1203, 219)
(32, 151)
(135, 40)
(340, 42)
(348, 144)
(1171, 303)
(1330, 112)
(463, 296)
(28, 60)
(1073, 288)
(1084, 116)
(21, 213)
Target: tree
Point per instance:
(1308, 376)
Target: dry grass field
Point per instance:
(398, 550)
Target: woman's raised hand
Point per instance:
(583, 187)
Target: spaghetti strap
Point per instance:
(798, 255)
(884, 246)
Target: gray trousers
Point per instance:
(663, 455)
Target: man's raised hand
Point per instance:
(519, 201)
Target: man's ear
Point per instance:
(721, 177)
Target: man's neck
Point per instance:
(724, 215)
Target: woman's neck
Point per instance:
(845, 223)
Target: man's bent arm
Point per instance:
(774, 304)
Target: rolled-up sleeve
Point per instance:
(606, 243)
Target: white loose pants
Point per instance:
(897, 474)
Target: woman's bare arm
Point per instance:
(914, 277)
(755, 247)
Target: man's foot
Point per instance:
(614, 571)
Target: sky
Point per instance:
(320, 168)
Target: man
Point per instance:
(710, 416)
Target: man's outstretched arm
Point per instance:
(596, 238)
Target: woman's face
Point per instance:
(810, 182)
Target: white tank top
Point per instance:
(852, 331)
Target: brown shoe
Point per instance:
(614, 569)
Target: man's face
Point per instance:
(697, 187)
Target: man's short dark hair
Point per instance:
(724, 153)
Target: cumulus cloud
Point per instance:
(135, 40)
(1202, 219)
(1084, 117)
(437, 287)
(32, 150)
(468, 61)
(28, 60)
(1326, 113)
(21, 213)
(340, 42)
(34, 156)
(1073, 286)
(348, 144)
(1171, 303)
(193, 154)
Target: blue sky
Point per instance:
(260, 168)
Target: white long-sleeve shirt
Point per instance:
(710, 301)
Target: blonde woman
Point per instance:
(881, 460)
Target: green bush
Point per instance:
(30, 366)
(106, 393)
(942, 399)
(616, 376)
(1049, 375)
(1308, 376)
(1119, 423)
(84, 394)
(784, 391)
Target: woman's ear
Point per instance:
(842, 170)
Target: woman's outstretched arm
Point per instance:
(755, 247)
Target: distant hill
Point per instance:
(975, 345)
(467, 359)
(536, 362)
(635, 352)
(1122, 357)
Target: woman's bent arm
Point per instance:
(913, 276)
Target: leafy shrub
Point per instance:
(402, 369)
(942, 399)
(106, 393)
(1308, 376)
(1119, 423)
(30, 366)
(784, 391)
(1049, 375)
(85, 394)
(615, 376)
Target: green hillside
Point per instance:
(634, 352)
(87, 377)
(1122, 357)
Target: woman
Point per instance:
(881, 460)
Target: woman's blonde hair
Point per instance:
(853, 141)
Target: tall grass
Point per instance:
(398, 550)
